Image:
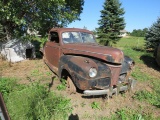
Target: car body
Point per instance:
(74, 55)
(157, 56)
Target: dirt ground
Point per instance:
(33, 70)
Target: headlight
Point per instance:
(92, 72)
(131, 64)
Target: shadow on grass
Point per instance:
(138, 49)
(73, 117)
(150, 62)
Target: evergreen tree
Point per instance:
(111, 22)
(153, 35)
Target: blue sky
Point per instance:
(138, 14)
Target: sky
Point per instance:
(139, 14)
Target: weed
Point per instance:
(48, 73)
(62, 86)
(83, 104)
(152, 98)
(35, 72)
(128, 114)
(140, 76)
(95, 105)
(7, 85)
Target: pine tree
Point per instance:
(153, 36)
(111, 22)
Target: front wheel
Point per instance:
(70, 85)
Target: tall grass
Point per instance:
(33, 101)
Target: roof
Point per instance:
(69, 29)
(123, 31)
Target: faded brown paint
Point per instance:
(95, 50)
(115, 71)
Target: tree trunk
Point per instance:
(8, 33)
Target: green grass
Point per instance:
(133, 47)
(62, 86)
(136, 42)
(33, 101)
(129, 114)
(140, 76)
(95, 105)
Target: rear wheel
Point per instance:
(70, 85)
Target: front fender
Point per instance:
(78, 67)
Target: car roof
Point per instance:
(70, 29)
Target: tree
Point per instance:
(17, 16)
(2, 34)
(153, 35)
(139, 32)
(111, 22)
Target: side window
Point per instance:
(54, 37)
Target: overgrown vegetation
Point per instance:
(33, 101)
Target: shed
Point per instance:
(17, 50)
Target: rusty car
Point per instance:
(74, 55)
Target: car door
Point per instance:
(52, 51)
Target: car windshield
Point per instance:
(77, 37)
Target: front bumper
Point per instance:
(111, 90)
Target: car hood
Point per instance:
(108, 54)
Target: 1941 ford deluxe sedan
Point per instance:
(74, 55)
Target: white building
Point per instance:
(123, 33)
(17, 50)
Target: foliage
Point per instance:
(95, 105)
(139, 32)
(2, 34)
(139, 75)
(129, 114)
(111, 22)
(33, 101)
(7, 85)
(150, 97)
(37, 15)
(62, 86)
(153, 35)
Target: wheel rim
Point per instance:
(71, 86)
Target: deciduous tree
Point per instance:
(17, 16)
